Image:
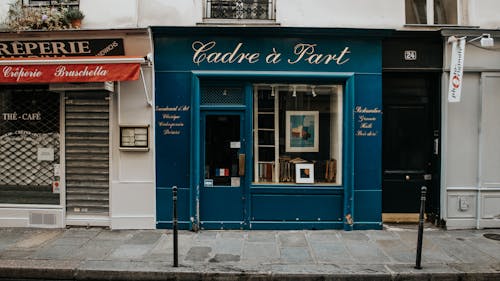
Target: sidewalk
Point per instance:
(389, 254)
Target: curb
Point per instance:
(44, 272)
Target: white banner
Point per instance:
(456, 70)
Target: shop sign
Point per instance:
(61, 48)
(366, 119)
(456, 70)
(172, 119)
(56, 73)
(14, 116)
(207, 52)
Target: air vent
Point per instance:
(37, 219)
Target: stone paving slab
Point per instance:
(323, 252)
(255, 252)
(97, 254)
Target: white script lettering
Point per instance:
(307, 52)
(20, 72)
(97, 71)
(202, 54)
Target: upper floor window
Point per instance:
(240, 9)
(431, 12)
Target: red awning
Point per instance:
(69, 69)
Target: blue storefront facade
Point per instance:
(268, 127)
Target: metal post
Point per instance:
(174, 226)
(421, 227)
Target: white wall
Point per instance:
(462, 132)
(137, 13)
(4, 8)
(296, 13)
(170, 12)
(484, 13)
(315, 13)
(106, 14)
(461, 154)
(489, 154)
(471, 159)
(133, 189)
(341, 13)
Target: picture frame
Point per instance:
(302, 131)
(304, 173)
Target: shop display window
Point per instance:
(29, 146)
(297, 134)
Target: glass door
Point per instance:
(223, 169)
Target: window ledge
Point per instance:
(144, 149)
(30, 206)
(296, 185)
(438, 26)
(241, 22)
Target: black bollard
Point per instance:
(420, 227)
(174, 226)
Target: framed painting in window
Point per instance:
(304, 173)
(302, 131)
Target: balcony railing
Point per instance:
(240, 9)
(51, 3)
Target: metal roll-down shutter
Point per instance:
(87, 153)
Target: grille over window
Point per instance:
(29, 145)
(222, 96)
(51, 2)
(240, 9)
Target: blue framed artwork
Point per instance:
(302, 131)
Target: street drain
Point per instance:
(493, 236)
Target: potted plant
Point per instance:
(74, 17)
(20, 18)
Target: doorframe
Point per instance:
(196, 132)
(433, 199)
(244, 185)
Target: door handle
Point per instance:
(241, 164)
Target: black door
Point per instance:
(410, 141)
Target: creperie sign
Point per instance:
(53, 73)
(45, 48)
(61, 48)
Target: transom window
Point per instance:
(298, 134)
(240, 9)
(431, 12)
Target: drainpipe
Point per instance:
(137, 9)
